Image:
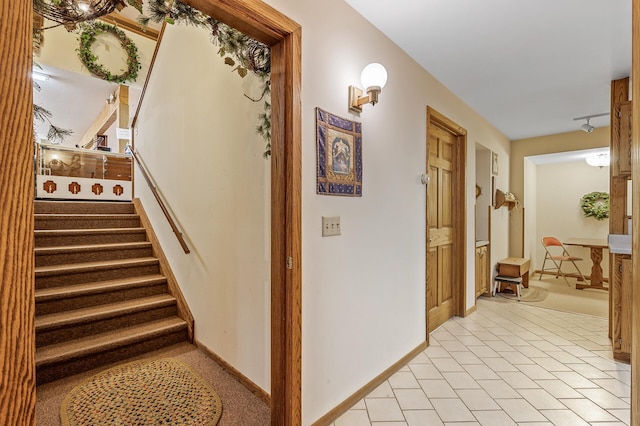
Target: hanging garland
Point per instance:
(595, 204)
(90, 60)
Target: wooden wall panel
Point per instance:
(17, 313)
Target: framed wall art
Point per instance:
(338, 155)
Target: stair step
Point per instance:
(68, 358)
(78, 323)
(84, 221)
(62, 237)
(92, 252)
(84, 207)
(80, 273)
(56, 299)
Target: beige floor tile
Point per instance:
(500, 346)
(541, 399)
(384, 409)
(517, 380)
(500, 364)
(551, 364)
(403, 379)
(425, 371)
(354, 418)
(564, 417)
(423, 418)
(493, 418)
(531, 351)
(535, 372)
(436, 352)
(452, 410)
(382, 391)
(466, 357)
(558, 389)
(498, 389)
(520, 410)
(470, 341)
(574, 380)
(388, 423)
(623, 415)
(564, 357)
(604, 398)
(484, 351)
(460, 380)
(588, 410)
(421, 358)
(437, 389)
(446, 364)
(591, 372)
(516, 357)
(413, 399)
(480, 372)
(477, 399)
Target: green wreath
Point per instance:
(595, 204)
(88, 37)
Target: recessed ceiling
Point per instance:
(528, 67)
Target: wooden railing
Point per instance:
(161, 203)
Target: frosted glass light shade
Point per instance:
(599, 160)
(373, 75)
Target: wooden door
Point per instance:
(445, 260)
(440, 230)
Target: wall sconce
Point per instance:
(373, 79)
(40, 76)
(599, 160)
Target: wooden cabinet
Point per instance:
(482, 270)
(621, 293)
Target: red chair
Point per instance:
(556, 252)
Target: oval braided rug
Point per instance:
(158, 392)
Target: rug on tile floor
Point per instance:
(530, 294)
(157, 392)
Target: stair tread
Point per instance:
(93, 313)
(96, 287)
(87, 231)
(100, 342)
(90, 247)
(82, 215)
(101, 264)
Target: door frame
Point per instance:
(254, 18)
(460, 209)
(263, 23)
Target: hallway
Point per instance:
(505, 364)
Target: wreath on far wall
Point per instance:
(595, 204)
(90, 60)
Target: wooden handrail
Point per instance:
(156, 194)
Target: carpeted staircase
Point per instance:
(100, 294)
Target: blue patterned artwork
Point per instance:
(339, 155)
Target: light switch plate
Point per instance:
(330, 226)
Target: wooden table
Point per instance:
(596, 246)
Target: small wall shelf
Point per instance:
(501, 200)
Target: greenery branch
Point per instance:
(595, 204)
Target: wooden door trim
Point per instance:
(260, 21)
(459, 250)
(17, 316)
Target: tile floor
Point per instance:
(507, 363)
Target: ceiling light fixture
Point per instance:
(588, 127)
(72, 12)
(598, 160)
(373, 78)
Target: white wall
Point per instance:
(196, 134)
(559, 188)
(530, 205)
(364, 292)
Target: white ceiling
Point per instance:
(528, 67)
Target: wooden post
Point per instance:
(635, 174)
(17, 335)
